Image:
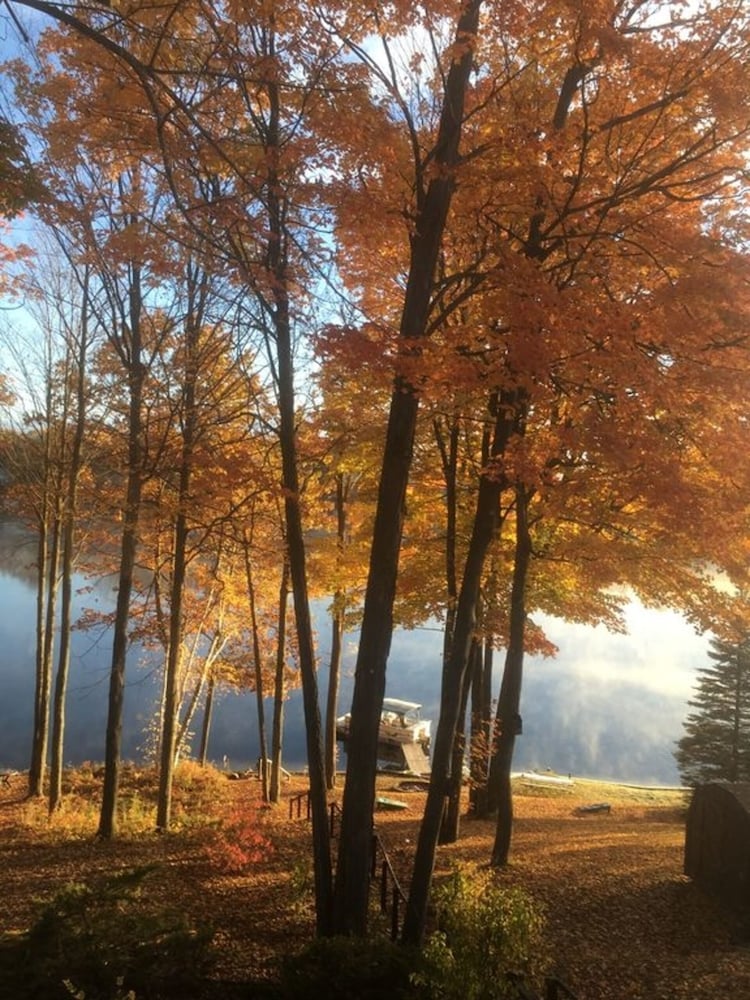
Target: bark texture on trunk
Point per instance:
(481, 729)
(136, 373)
(337, 639)
(113, 737)
(486, 517)
(354, 857)
(258, 670)
(42, 681)
(279, 687)
(508, 719)
(66, 565)
(334, 673)
(208, 711)
(450, 828)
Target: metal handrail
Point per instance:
(295, 804)
(554, 988)
(388, 880)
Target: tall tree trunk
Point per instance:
(313, 727)
(214, 603)
(113, 737)
(298, 572)
(63, 667)
(169, 745)
(168, 742)
(42, 684)
(279, 687)
(43, 679)
(481, 730)
(128, 549)
(449, 460)
(66, 567)
(258, 668)
(334, 674)
(52, 570)
(508, 717)
(354, 857)
(215, 647)
(277, 264)
(48, 525)
(207, 715)
(337, 640)
(491, 484)
(449, 829)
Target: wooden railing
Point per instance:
(301, 803)
(391, 895)
(393, 899)
(295, 805)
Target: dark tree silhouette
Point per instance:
(716, 744)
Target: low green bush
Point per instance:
(485, 930)
(101, 941)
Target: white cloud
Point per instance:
(660, 652)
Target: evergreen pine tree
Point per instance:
(716, 744)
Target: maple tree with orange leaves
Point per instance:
(534, 217)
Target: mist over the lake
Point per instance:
(608, 706)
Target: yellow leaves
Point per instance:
(579, 263)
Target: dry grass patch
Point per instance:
(622, 921)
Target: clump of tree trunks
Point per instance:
(531, 221)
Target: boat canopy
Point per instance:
(402, 707)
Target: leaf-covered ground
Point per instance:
(622, 920)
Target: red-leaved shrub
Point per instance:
(238, 842)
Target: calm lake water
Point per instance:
(608, 706)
